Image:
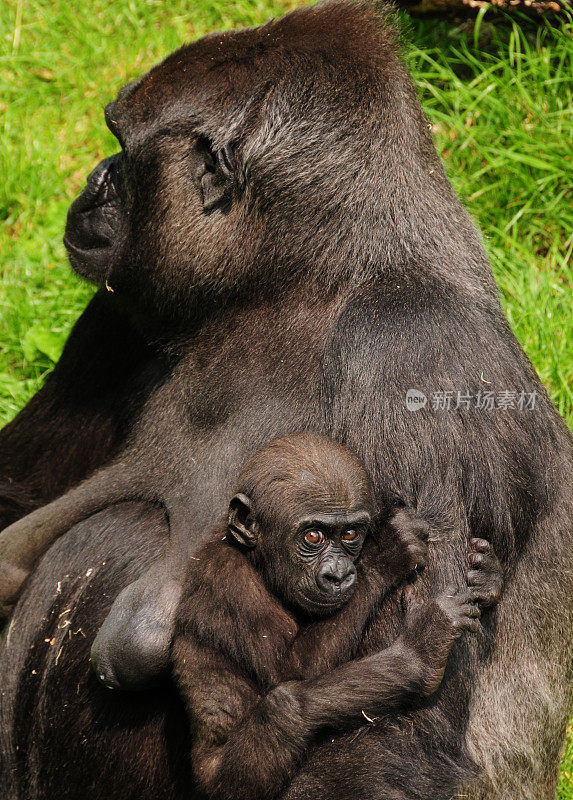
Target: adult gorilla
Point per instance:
(279, 227)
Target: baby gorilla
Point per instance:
(277, 603)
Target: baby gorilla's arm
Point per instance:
(248, 747)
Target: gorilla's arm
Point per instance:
(23, 542)
(80, 418)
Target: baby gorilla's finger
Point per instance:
(476, 577)
(478, 559)
(485, 563)
(485, 574)
(480, 545)
(472, 625)
(461, 595)
(486, 595)
(461, 613)
(471, 610)
(422, 529)
(418, 554)
(469, 617)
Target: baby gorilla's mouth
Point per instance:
(320, 604)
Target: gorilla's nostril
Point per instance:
(348, 581)
(336, 579)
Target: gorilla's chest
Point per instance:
(235, 388)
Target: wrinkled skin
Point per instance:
(95, 219)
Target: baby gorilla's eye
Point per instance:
(350, 535)
(314, 537)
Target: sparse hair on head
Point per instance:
(305, 468)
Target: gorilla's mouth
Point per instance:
(90, 251)
(94, 221)
(327, 604)
(90, 260)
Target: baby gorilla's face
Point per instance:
(326, 548)
(304, 511)
(319, 552)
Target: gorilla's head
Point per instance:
(252, 157)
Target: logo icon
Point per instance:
(415, 400)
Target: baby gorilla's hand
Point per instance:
(406, 545)
(431, 630)
(485, 574)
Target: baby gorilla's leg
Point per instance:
(132, 648)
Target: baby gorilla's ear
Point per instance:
(241, 521)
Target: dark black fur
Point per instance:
(335, 270)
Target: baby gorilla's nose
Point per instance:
(336, 576)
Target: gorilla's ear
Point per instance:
(218, 175)
(241, 522)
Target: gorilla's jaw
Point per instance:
(95, 220)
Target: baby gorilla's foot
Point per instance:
(132, 648)
(12, 580)
(485, 575)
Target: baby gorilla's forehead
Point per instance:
(328, 494)
(306, 495)
(304, 474)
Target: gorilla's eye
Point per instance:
(314, 537)
(350, 535)
(205, 147)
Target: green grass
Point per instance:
(500, 99)
(498, 92)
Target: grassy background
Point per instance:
(498, 92)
